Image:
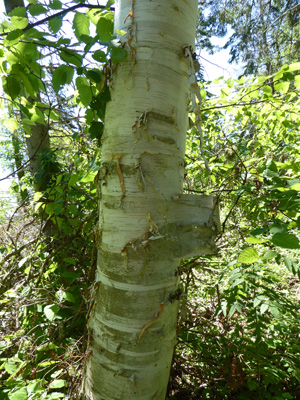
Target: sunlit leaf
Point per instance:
(20, 394)
(81, 25)
(51, 311)
(248, 256)
(105, 29)
(57, 383)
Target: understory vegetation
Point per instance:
(238, 324)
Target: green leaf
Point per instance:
(55, 24)
(55, 395)
(13, 37)
(224, 308)
(36, 9)
(269, 255)
(104, 29)
(18, 12)
(297, 81)
(55, 5)
(286, 240)
(51, 311)
(254, 240)
(34, 387)
(248, 256)
(12, 86)
(19, 22)
(99, 55)
(84, 89)
(294, 66)
(96, 130)
(282, 87)
(94, 75)
(20, 394)
(71, 57)
(81, 25)
(258, 300)
(296, 186)
(10, 366)
(74, 179)
(264, 307)
(118, 54)
(267, 90)
(61, 76)
(57, 383)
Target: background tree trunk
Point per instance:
(146, 225)
(38, 142)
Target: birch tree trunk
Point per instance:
(146, 224)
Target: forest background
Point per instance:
(238, 327)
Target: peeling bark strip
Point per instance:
(147, 224)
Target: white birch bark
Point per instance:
(146, 224)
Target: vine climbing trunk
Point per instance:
(146, 224)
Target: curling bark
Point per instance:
(146, 225)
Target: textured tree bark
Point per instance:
(146, 224)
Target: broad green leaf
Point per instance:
(297, 81)
(74, 179)
(55, 24)
(55, 395)
(94, 75)
(11, 366)
(55, 5)
(118, 54)
(61, 76)
(81, 25)
(13, 37)
(286, 240)
(11, 124)
(264, 307)
(282, 87)
(269, 255)
(294, 66)
(58, 179)
(267, 90)
(19, 22)
(34, 387)
(248, 256)
(51, 311)
(57, 383)
(99, 55)
(275, 311)
(12, 86)
(225, 91)
(96, 130)
(20, 394)
(296, 186)
(69, 297)
(89, 177)
(257, 300)
(85, 90)
(36, 9)
(224, 308)
(253, 240)
(104, 29)
(71, 57)
(18, 12)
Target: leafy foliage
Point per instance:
(238, 324)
